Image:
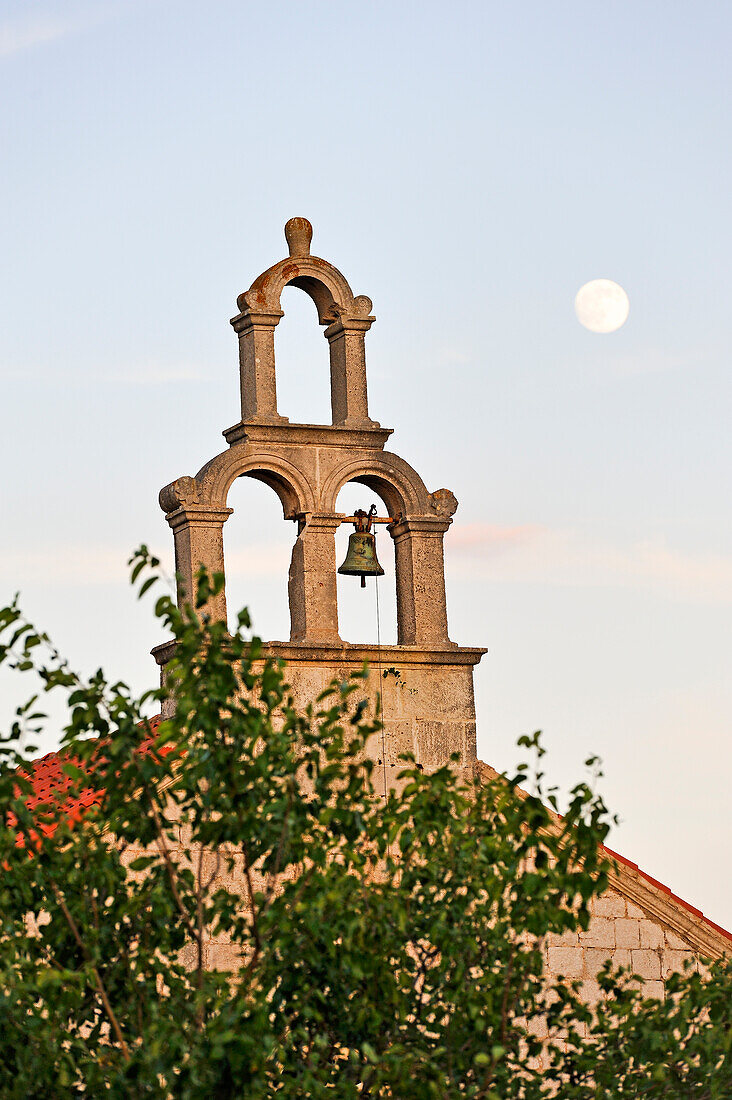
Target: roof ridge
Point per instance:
(656, 883)
(668, 891)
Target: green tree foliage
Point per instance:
(388, 948)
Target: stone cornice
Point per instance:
(356, 655)
(346, 324)
(423, 525)
(659, 903)
(249, 319)
(314, 435)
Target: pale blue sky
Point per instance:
(468, 166)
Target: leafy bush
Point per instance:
(381, 948)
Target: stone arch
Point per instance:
(320, 280)
(196, 510)
(417, 530)
(288, 482)
(347, 318)
(399, 486)
(357, 621)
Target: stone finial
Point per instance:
(299, 234)
(444, 502)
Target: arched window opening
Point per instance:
(258, 545)
(302, 361)
(356, 605)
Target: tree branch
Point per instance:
(114, 1022)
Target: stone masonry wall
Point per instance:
(621, 931)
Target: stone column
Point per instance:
(312, 583)
(199, 540)
(257, 364)
(420, 578)
(348, 395)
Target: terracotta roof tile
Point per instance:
(50, 782)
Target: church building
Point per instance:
(426, 679)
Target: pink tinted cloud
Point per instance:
(530, 553)
(492, 537)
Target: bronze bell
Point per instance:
(361, 560)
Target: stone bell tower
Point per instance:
(426, 681)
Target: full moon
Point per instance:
(602, 305)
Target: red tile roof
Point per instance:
(50, 782)
(666, 890)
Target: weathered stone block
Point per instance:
(470, 751)
(609, 905)
(647, 964)
(398, 738)
(627, 932)
(675, 942)
(537, 1026)
(673, 961)
(635, 910)
(566, 961)
(437, 740)
(651, 934)
(590, 992)
(559, 939)
(622, 958)
(223, 956)
(601, 933)
(595, 959)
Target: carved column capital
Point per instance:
(183, 503)
(253, 318)
(198, 517)
(322, 521)
(426, 526)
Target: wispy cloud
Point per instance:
(523, 554)
(31, 30)
(535, 554)
(492, 538)
(83, 564)
(24, 34)
(73, 564)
